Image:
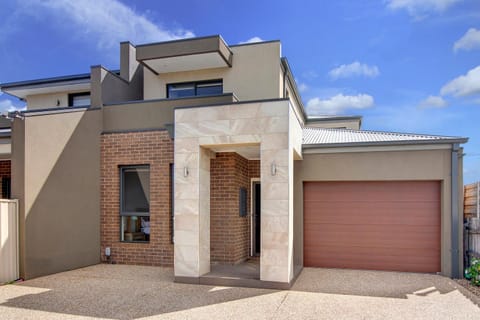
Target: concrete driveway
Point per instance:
(133, 292)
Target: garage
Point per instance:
(374, 225)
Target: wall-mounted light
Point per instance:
(58, 103)
(273, 168)
(185, 172)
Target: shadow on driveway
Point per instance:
(119, 292)
(372, 283)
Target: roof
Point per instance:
(45, 81)
(323, 137)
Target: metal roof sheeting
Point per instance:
(328, 137)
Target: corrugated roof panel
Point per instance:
(347, 136)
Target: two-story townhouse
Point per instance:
(197, 154)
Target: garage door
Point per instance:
(376, 225)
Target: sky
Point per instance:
(404, 65)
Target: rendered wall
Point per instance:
(56, 177)
(49, 100)
(254, 74)
(150, 114)
(378, 166)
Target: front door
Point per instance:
(256, 219)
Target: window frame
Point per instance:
(133, 213)
(72, 96)
(196, 85)
(125, 214)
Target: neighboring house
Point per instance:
(197, 153)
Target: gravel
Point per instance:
(470, 287)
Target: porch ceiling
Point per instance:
(250, 152)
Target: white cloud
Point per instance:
(107, 21)
(339, 103)
(421, 8)
(465, 85)
(354, 69)
(433, 102)
(7, 106)
(469, 41)
(253, 40)
(302, 87)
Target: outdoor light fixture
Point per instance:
(107, 251)
(185, 172)
(274, 168)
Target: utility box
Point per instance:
(9, 246)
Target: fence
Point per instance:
(9, 268)
(471, 202)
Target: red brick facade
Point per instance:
(5, 172)
(154, 148)
(229, 233)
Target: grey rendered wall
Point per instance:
(57, 181)
(378, 166)
(151, 114)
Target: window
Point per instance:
(6, 182)
(135, 203)
(192, 89)
(79, 99)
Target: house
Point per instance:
(197, 153)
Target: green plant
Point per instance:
(473, 272)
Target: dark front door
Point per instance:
(256, 218)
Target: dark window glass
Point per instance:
(209, 89)
(181, 90)
(135, 190)
(6, 187)
(193, 89)
(79, 99)
(135, 203)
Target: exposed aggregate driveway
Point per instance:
(136, 292)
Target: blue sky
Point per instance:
(405, 65)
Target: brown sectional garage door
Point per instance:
(377, 225)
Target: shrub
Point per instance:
(473, 272)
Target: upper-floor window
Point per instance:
(79, 99)
(192, 89)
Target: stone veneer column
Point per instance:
(267, 124)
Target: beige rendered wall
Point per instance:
(377, 166)
(254, 74)
(346, 124)
(49, 100)
(57, 181)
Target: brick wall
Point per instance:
(230, 233)
(154, 148)
(5, 172)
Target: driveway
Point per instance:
(128, 292)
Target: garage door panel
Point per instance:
(363, 191)
(373, 240)
(378, 262)
(413, 213)
(391, 225)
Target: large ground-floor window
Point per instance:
(135, 203)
